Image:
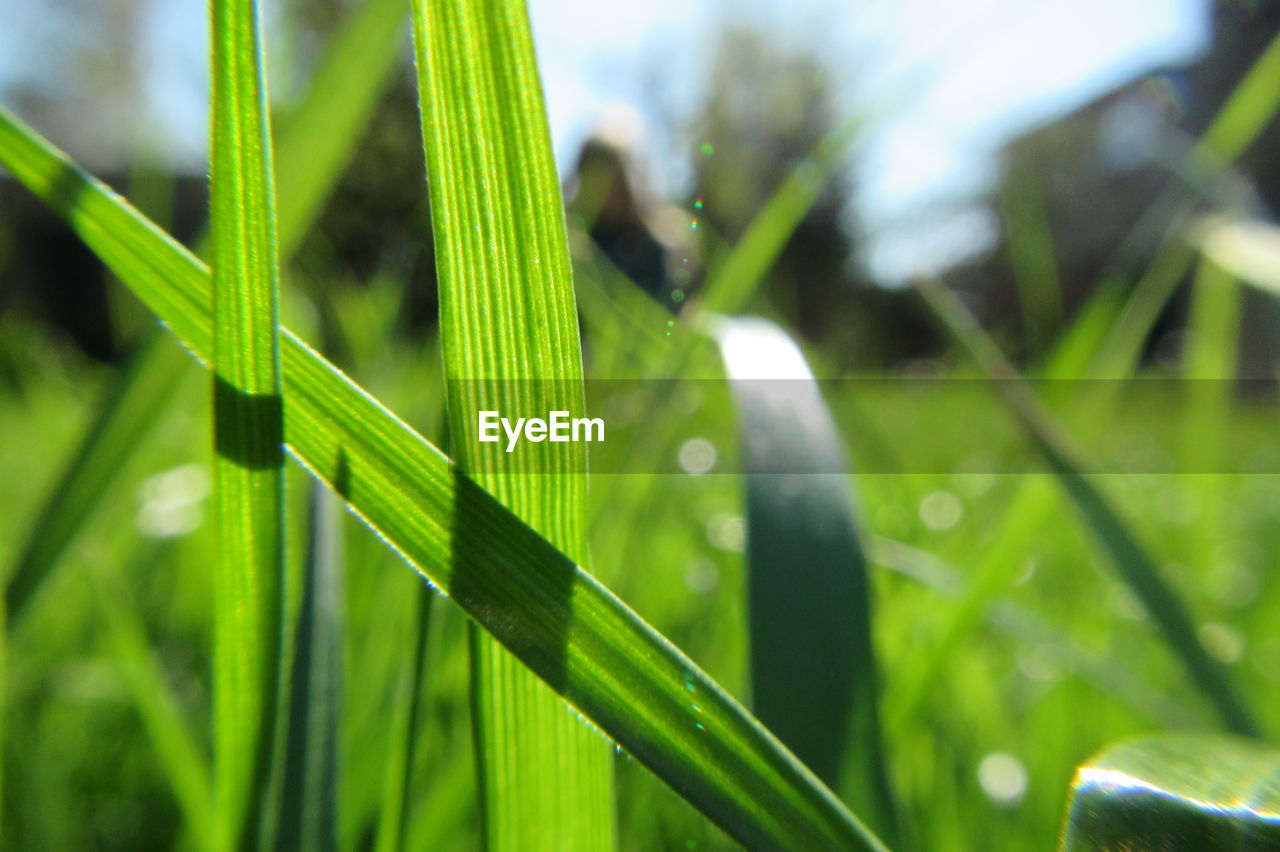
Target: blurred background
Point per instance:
(1045, 156)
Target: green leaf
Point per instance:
(1131, 560)
(509, 331)
(813, 670)
(583, 641)
(1210, 794)
(345, 89)
(308, 819)
(248, 425)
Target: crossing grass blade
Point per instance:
(353, 73)
(509, 332)
(1132, 561)
(1176, 792)
(248, 426)
(813, 671)
(580, 638)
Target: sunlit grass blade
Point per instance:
(1211, 794)
(319, 136)
(1211, 361)
(555, 617)
(248, 426)
(1244, 116)
(308, 816)
(1132, 561)
(135, 405)
(813, 671)
(174, 744)
(354, 71)
(393, 818)
(509, 332)
(766, 236)
(1249, 248)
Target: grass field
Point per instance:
(963, 588)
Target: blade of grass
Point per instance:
(579, 637)
(1030, 241)
(309, 812)
(393, 819)
(813, 669)
(173, 743)
(1132, 562)
(352, 75)
(248, 427)
(135, 404)
(328, 123)
(1211, 361)
(1176, 792)
(509, 332)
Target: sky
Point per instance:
(949, 83)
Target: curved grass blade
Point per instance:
(1211, 794)
(308, 818)
(1249, 248)
(1131, 560)
(509, 331)
(813, 670)
(579, 637)
(248, 425)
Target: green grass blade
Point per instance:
(321, 134)
(555, 617)
(1245, 115)
(248, 481)
(766, 236)
(175, 746)
(393, 819)
(1131, 560)
(1031, 255)
(1211, 362)
(509, 331)
(309, 813)
(1249, 248)
(813, 671)
(1211, 794)
(136, 403)
(354, 71)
